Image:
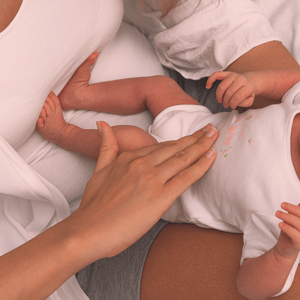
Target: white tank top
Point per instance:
(41, 48)
(39, 51)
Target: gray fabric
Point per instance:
(196, 89)
(119, 277)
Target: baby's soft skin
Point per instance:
(53, 127)
(128, 96)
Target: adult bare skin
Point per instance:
(124, 198)
(266, 56)
(8, 9)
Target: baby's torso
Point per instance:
(41, 48)
(253, 172)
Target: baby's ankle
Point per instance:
(66, 140)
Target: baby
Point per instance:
(257, 168)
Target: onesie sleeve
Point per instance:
(213, 36)
(260, 235)
(180, 120)
(292, 96)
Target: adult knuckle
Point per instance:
(137, 165)
(203, 145)
(174, 144)
(186, 176)
(196, 136)
(201, 166)
(125, 156)
(182, 156)
(149, 177)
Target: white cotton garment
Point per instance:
(35, 59)
(251, 176)
(201, 37)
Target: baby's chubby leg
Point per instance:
(73, 95)
(131, 137)
(52, 126)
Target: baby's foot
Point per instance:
(73, 93)
(51, 123)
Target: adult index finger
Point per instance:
(171, 148)
(158, 153)
(185, 158)
(183, 180)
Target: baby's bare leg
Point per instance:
(72, 95)
(51, 123)
(52, 126)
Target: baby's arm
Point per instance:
(240, 89)
(265, 276)
(123, 97)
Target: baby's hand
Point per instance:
(288, 245)
(234, 90)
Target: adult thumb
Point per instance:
(109, 146)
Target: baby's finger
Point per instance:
(220, 75)
(292, 233)
(291, 208)
(242, 95)
(247, 102)
(228, 87)
(289, 219)
(233, 95)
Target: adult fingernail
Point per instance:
(206, 128)
(210, 153)
(99, 127)
(211, 132)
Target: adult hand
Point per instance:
(127, 195)
(124, 198)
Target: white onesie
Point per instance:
(251, 176)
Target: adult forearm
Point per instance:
(37, 268)
(264, 276)
(124, 198)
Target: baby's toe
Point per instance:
(40, 123)
(53, 101)
(47, 109)
(43, 113)
(50, 104)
